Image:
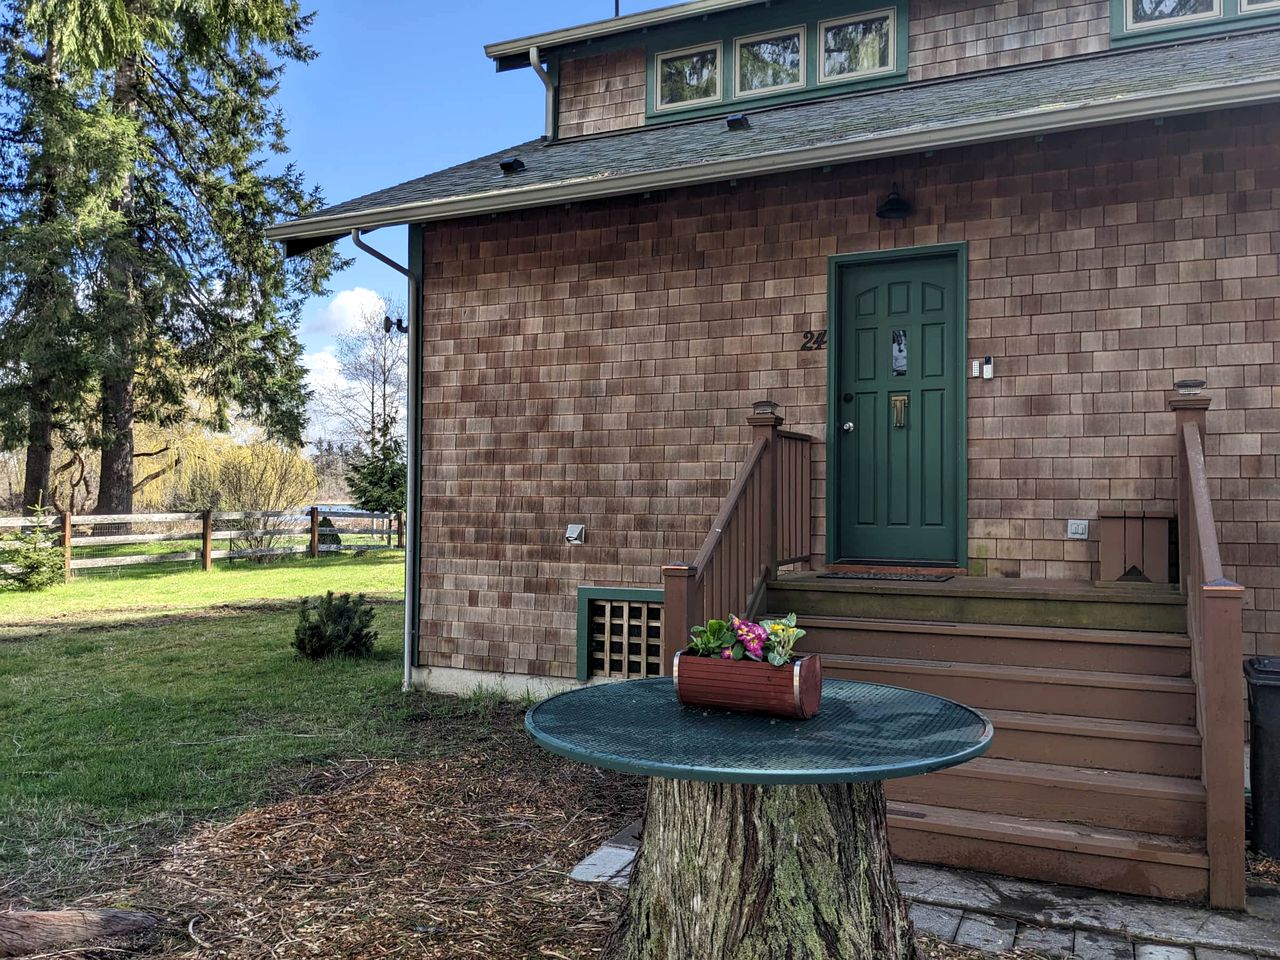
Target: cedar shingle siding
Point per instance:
(603, 93)
(945, 38)
(595, 364)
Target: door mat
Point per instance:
(925, 577)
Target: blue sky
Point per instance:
(402, 88)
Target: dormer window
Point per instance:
(856, 47)
(770, 62)
(1144, 14)
(685, 78)
(1152, 21)
(777, 53)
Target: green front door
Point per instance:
(898, 408)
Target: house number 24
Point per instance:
(814, 340)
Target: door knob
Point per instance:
(848, 426)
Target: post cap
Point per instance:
(764, 413)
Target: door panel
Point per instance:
(897, 382)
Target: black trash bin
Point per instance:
(1263, 674)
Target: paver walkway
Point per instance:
(997, 914)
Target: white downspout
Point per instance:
(535, 61)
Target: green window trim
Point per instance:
(655, 71)
(587, 594)
(890, 13)
(1227, 15)
(740, 42)
(730, 32)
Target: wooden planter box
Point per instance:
(749, 685)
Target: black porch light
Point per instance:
(895, 206)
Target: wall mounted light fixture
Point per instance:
(895, 206)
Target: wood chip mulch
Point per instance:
(1264, 869)
(464, 857)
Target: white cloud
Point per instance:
(323, 372)
(323, 377)
(344, 310)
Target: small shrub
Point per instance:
(30, 558)
(334, 626)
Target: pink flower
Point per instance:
(726, 654)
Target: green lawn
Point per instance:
(138, 592)
(118, 734)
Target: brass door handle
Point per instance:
(899, 410)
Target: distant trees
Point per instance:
(141, 168)
(373, 371)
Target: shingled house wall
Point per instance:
(606, 92)
(595, 363)
(602, 93)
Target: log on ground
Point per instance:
(25, 932)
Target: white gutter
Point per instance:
(412, 534)
(1047, 120)
(604, 28)
(535, 61)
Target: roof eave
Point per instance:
(512, 52)
(1050, 120)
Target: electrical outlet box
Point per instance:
(977, 369)
(1077, 529)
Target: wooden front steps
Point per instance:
(1120, 606)
(1058, 852)
(1094, 774)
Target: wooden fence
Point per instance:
(100, 541)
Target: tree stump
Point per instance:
(743, 872)
(28, 931)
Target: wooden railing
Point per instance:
(765, 523)
(1214, 623)
(95, 541)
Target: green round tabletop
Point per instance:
(863, 732)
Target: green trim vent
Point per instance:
(619, 633)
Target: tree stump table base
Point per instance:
(747, 872)
(764, 838)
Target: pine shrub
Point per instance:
(334, 626)
(30, 558)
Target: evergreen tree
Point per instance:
(186, 293)
(59, 152)
(378, 479)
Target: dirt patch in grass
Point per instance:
(462, 857)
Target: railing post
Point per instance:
(400, 530)
(1186, 410)
(765, 421)
(66, 547)
(315, 532)
(678, 615)
(206, 541)
(1222, 728)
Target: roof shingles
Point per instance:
(1046, 89)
